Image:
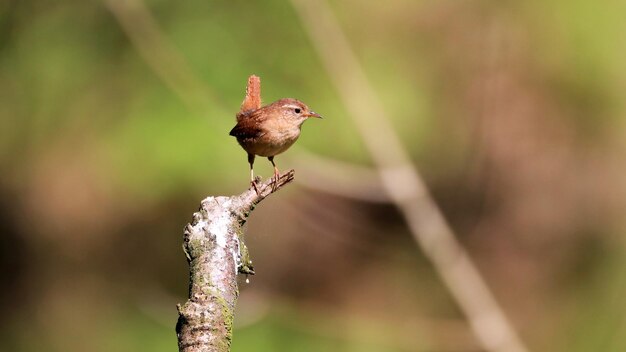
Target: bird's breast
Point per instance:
(273, 141)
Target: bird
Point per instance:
(268, 130)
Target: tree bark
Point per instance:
(216, 253)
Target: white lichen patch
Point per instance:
(219, 222)
(199, 227)
(236, 253)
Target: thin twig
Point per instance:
(403, 182)
(164, 59)
(340, 178)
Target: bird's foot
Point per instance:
(253, 184)
(275, 179)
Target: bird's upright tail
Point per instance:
(252, 101)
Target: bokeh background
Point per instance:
(114, 121)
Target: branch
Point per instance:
(216, 253)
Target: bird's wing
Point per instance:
(250, 116)
(246, 129)
(244, 115)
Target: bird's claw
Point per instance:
(275, 179)
(253, 184)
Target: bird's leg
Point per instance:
(276, 173)
(252, 181)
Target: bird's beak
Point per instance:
(313, 114)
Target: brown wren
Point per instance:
(269, 130)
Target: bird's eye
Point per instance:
(297, 110)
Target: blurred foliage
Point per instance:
(512, 110)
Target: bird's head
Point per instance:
(294, 110)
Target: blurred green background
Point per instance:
(114, 121)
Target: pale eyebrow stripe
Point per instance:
(293, 106)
